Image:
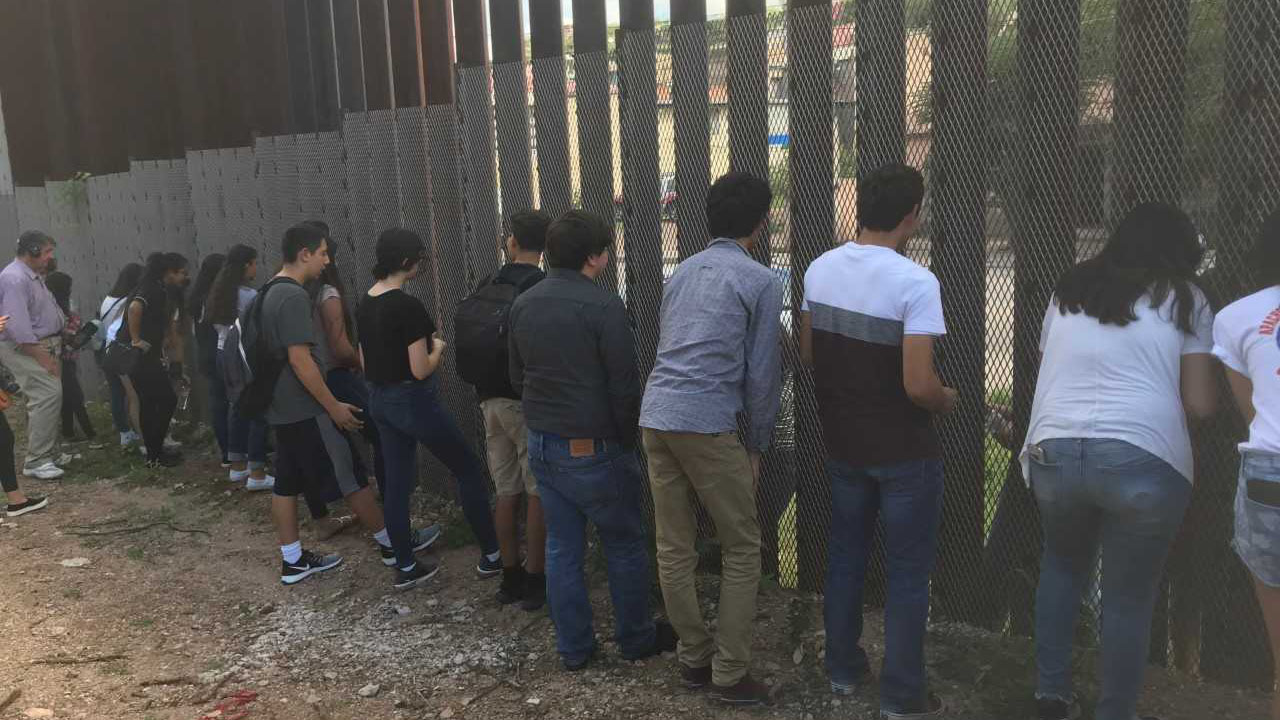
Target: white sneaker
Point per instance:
(238, 475)
(46, 471)
(129, 438)
(65, 459)
(255, 485)
(171, 444)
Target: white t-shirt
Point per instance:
(1120, 383)
(862, 301)
(1245, 340)
(109, 312)
(244, 297)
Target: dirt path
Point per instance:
(179, 608)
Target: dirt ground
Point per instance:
(172, 610)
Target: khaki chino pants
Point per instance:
(44, 400)
(717, 468)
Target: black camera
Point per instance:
(84, 334)
(8, 382)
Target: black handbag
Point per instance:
(119, 358)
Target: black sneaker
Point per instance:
(695, 678)
(664, 640)
(513, 586)
(747, 691)
(487, 568)
(309, 564)
(535, 592)
(933, 707)
(580, 666)
(422, 571)
(1054, 708)
(422, 539)
(166, 460)
(33, 503)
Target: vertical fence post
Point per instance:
(594, 103)
(1233, 648)
(546, 39)
(1044, 241)
(511, 103)
(812, 222)
(348, 56)
(747, 37)
(642, 231)
(375, 48)
(959, 186)
(690, 106)
(406, 50)
(476, 110)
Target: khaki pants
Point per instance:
(507, 443)
(44, 400)
(716, 467)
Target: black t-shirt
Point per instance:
(389, 323)
(156, 314)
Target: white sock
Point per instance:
(493, 557)
(383, 539)
(292, 553)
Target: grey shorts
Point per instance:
(1257, 539)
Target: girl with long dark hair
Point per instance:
(151, 326)
(401, 352)
(207, 347)
(1125, 359)
(232, 293)
(1244, 339)
(124, 410)
(73, 409)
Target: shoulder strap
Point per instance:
(113, 307)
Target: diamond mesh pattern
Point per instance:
(1038, 123)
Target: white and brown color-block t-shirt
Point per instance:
(862, 301)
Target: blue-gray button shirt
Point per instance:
(719, 351)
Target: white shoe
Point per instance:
(255, 485)
(238, 475)
(64, 459)
(171, 444)
(129, 438)
(46, 471)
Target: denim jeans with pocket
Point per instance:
(1098, 493)
(604, 488)
(1257, 528)
(409, 414)
(907, 499)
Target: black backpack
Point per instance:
(481, 325)
(250, 369)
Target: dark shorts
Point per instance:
(315, 453)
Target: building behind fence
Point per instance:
(1038, 123)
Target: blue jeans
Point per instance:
(907, 498)
(246, 439)
(119, 403)
(219, 407)
(408, 414)
(604, 488)
(350, 388)
(1102, 493)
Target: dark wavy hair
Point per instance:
(59, 284)
(223, 305)
(161, 264)
(1154, 251)
(397, 250)
(204, 283)
(127, 281)
(331, 276)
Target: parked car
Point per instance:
(667, 200)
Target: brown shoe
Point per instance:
(695, 678)
(747, 691)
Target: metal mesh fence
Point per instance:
(1038, 124)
